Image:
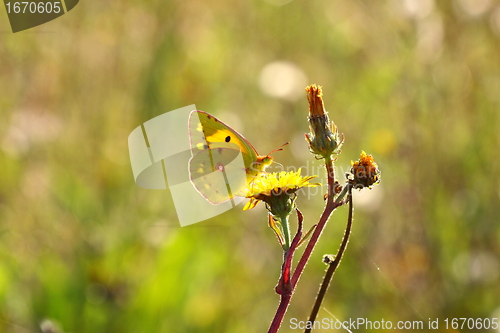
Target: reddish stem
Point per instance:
(280, 312)
(333, 265)
(329, 208)
(285, 285)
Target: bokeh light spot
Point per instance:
(283, 79)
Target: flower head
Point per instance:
(324, 138)
(364, 172)
(277, 190)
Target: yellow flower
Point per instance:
(365, 172)
(276, 190)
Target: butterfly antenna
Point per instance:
(280, 148)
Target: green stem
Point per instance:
(286, 230)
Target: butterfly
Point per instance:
(223, 162)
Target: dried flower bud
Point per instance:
(324, 139)
(364, 172)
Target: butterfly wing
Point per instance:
(215, 171)
(218, 174)
(208, 132)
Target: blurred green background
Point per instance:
(416, 83)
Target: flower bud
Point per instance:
(364, 172)
(324, 138)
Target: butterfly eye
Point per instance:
(228, 138)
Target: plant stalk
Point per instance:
(329, 208)
(332, 267)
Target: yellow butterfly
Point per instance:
(223, 162)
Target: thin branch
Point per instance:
(280, 312)
(285, 287)
(284, 283)
(333, 264)
(329, 208)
